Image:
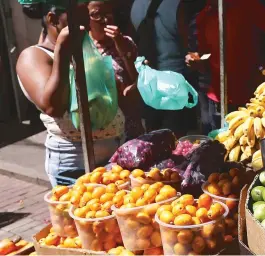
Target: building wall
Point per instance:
(27, 31)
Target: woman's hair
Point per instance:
(39, 11)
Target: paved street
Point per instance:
(23, 210)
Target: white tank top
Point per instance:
(63, 127)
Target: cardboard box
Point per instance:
(242, 232)
(45, 250)
(255, 232)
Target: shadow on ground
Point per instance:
(7, 218)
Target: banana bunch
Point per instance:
(246, 128)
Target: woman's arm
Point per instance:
(46, 80)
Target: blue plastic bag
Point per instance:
(165, 90)
(101, 87)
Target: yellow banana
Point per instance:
(238, 120)
(239, 132)
(260, 110)
(263, 121)
(256, 155)
(249, 151)
(252, 105)
(247, 125)
(243, 140)
(243, 109)
(243, 148)
(251, 137)
(258, 129)
(230, 143)
(253, 112)
(243, 157)
(233, 115)
(257, 102)
(223, 136)
(261, 99)
(234, 154)
(260, 89)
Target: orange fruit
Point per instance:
(78, 242)
(211, 243)
(121, 193)
(234, 172)
(142, 243)
(112, 188)
(156, 239)
(75, 198)
(231, 204)
(181, 249)
(186, 199)
(91, 215)
(115, 251)
(114, 177)
(208, 230)
(144, 232)
(227, 188)
(118, 200)
(107, 206)
(216, 211)
(145, 187)
(95, 207)
(228, 239)
(202, 214)
(128, 199)
(190, 209)
(164, 208)
(87, 196)
(185, 236)
(196, 221)
(132, 224)
(178, 209)
(96, 177)
(106, 197)
(151, 209)
(116, 169)
(214, 189)
(138, 173)
(124, 175)
(214, 178)
(175, 177)
(98, 192)
(66, 197)
(155, 174)
(101, 214)
(150, 195)
(52, 239)
(97, 245)
(136, 193)
(167, 174)
(198, 244)
(224, 176)
(92, 201)
(143, 218)
(168, 191)
(80, 188)
(58, 191)
(141, 202)
(236, 182)
(205, 201)
(80, 212)
(183, 220)
(90, 188)
(100, 170)
(166, 217)
(160, 198)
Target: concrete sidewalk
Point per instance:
(25, 160)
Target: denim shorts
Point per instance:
(64, 159)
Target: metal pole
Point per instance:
(80, 80)
(223, 75)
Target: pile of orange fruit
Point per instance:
(226, 184)
(120, 251)
(156, 175)
(63, 224)
(102, 176)
(54, 240)
(186, 211)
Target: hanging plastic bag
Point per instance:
(101, 87)
(165, 90)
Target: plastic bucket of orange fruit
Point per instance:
(97, 234)
(138, 227)
(205, 238)
(169, 177)
(62, 223)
